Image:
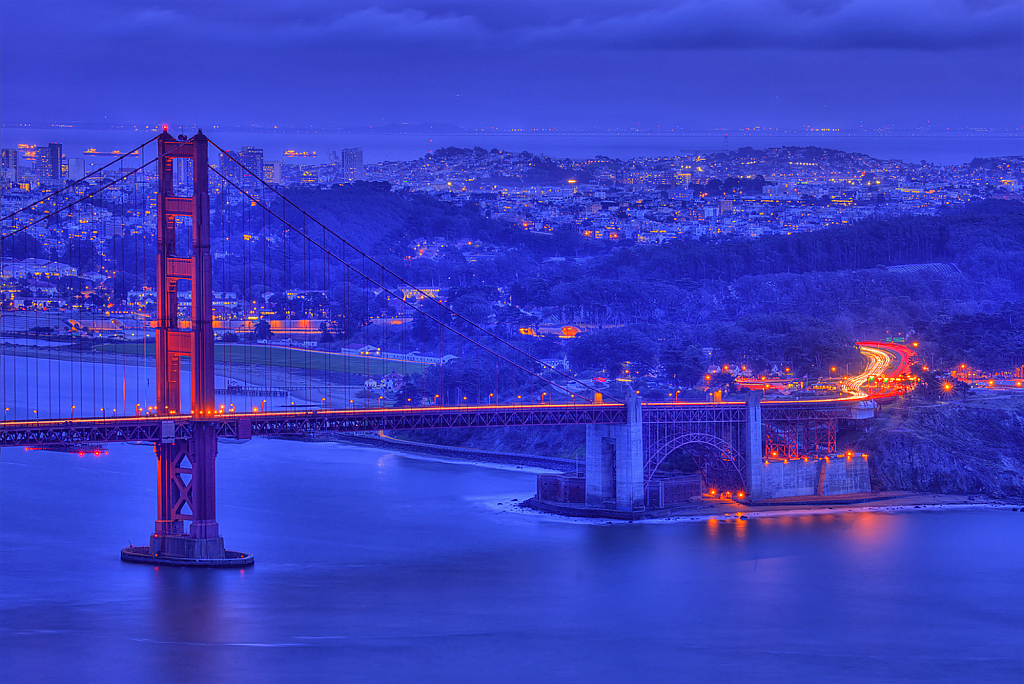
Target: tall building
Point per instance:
(9, 165)
(243, 167)
(352, 164)
(272, 172)
(252, 159)
(49, 161)
(228, 167)
(76, 168)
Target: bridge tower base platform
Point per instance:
(188, 552)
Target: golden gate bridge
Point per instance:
(484, 379)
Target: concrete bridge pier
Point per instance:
(754, 450)
(615, 462)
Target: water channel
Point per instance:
(372, 566)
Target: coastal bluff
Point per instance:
(974, 447)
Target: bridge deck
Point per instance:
(244, 426)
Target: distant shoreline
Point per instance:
(407, 144)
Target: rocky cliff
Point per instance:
(970, 447)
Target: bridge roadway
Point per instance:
(156, 429)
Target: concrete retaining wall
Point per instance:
(561, 488)
(834, 475)
(847, 475)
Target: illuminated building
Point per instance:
(352, 164)
(228, 167)
(9, 165)
(252, 159)
(49, 160)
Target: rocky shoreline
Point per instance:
(729, 512)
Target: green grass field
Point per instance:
(298, 359)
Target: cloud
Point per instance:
(406, 26)
(233, 22)
(934, 25)
(679, 25)
(511, 61)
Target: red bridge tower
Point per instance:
(186, 526)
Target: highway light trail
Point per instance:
(884, 360)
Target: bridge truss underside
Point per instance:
(793, 433)
(67, 434)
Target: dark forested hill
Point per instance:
(985, 239)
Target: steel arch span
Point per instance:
(730, 462)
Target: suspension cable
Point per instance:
(397, 277)
(86, 196)
(388, 291)
(80, 180)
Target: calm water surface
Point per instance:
(374, 567)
